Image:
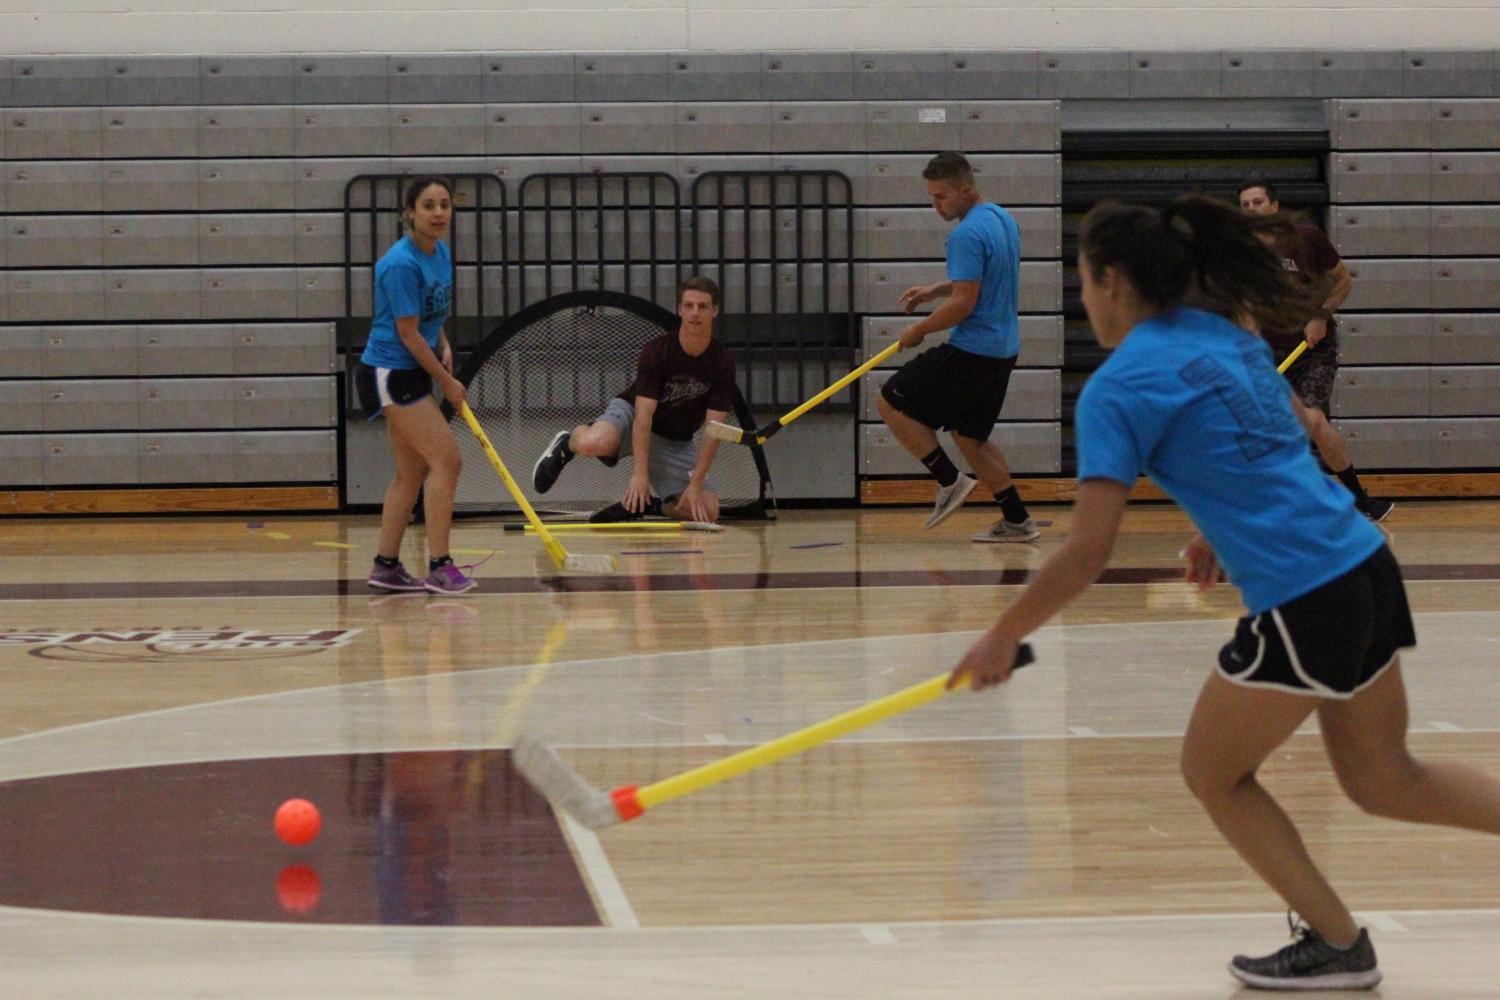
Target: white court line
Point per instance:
(1082, 731)
(25, 915)
(1381, 922)
(415, 747)
(877, 934)
(1446, 727)
(618, 913)
(1060, 630)
(387, 683)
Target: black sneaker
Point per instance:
(616, 513)
(1374, 508)
(1310, 963)
(550, 465)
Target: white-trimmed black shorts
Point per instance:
(382, 387)
(1331, 641)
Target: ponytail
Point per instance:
(1205, 251)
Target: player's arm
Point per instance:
(954, 310)
(441, 369)
(638, 493)
(1069, 571)
(918, 294)
(1340, 283)
(402, 288)
(692, 495)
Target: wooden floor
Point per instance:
(165, 682)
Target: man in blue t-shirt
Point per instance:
(960, 386)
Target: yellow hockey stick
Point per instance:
(646, 526)
(560, 557)
(595, 808)
(738, 435)
(1281, 368)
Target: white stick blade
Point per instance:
(724, 432)
(559, 784)
(700, 526)
(597, 565)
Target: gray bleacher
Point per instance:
(171, 265)
(1414, 211)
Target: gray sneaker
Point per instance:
(949, 499)
(1009, 531)
(1310, 963)
(393, 578)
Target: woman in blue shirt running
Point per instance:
(407, 352)
(1194, 401)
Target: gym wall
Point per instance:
(40, 27)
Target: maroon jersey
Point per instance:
(685, 387)
(1310, 255)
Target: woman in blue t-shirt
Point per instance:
(1194, 401)
(407, 352)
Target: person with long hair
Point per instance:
(1194, 401)
(406, 354)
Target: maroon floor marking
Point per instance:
(125, 590)
(444, 837)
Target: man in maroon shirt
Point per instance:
(1309, 252)
(682, 380)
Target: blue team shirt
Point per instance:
(1195, 402)
(986, 247)
(408, 282)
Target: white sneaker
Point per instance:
(949, 499)
(1009, 531)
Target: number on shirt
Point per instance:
(1260, 432)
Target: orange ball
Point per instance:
(298, 822)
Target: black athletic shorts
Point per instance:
(382, 387)
(1330, 642)
(1312, 375)
(951, 389)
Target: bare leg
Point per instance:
(987, 461)
(917, 438)
(1366, 740)
(600, 439)
(1232, 731)
(401, 494)
(422, 428)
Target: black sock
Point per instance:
(389, 562)
(1011, 507)
(435, 562)
(653, 505)
(1351, 483)
(941, 466)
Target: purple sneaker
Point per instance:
(449, 579)
(394, 578)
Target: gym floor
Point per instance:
(165, 683)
